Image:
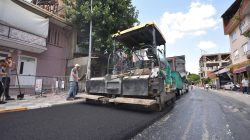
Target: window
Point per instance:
(244, 47)
(3, 55)
(54, 36)
(236, 55)
(21, 68)
(233, 36)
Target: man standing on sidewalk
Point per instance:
(2, 64)
(245, 85)
(73, 79)
(6, 79)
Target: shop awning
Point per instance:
(240, 70)
(234, 67)
(224, 70)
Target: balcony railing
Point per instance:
(245, 25)
(248, 51)
(19, 35)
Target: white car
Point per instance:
(231, 86)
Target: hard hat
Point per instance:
(77, 65)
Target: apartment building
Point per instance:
(212, 62)
(40, 41)
(177, 63)
(236, 21)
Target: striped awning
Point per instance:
(240, 70)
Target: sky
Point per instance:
(190, 27)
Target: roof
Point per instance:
(178, 57)
(232, 10)
(214, 54)
(140, 35)
(226, 53)
(42, 12)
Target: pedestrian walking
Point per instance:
(73, 82)
(191, 86)
(206, 87)
(245, 85)
(6, 79)
(2, 64)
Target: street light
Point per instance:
(90, 45)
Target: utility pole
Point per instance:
(90, 44)
(203, 52)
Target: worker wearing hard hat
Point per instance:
(73, 79)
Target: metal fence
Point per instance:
(34, 84)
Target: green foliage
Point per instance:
(247, 34)
(193, 78)
(237, 18)
(108, 17)
(206, 80)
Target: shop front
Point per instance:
(240, 71)
(223, 76)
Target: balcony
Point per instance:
(15, 38)
(248, 51)
(213, 62)
(245, 8)
(245, 25)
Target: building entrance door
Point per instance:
(27, 70)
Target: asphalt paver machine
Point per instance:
(139, 76)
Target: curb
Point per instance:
(69, 102)
(21, 108)
(14, 109)
(231, 92)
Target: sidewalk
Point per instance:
(238, 95)
(35, 102)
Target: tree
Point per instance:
(206, 80)
(193, 78)
(108, 17)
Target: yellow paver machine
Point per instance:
(140, 75)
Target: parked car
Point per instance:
(231, 86)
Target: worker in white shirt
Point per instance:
(245, 85)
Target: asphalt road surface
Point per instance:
(198, 115)
(202, 115)
(77, 122)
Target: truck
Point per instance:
(138, 72)
(179, 73)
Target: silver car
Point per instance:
(231, 86)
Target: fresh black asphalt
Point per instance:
(77, 122)
(198, 115)
(202, 115)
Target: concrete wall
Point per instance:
(53, 61)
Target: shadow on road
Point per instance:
(128, 107)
